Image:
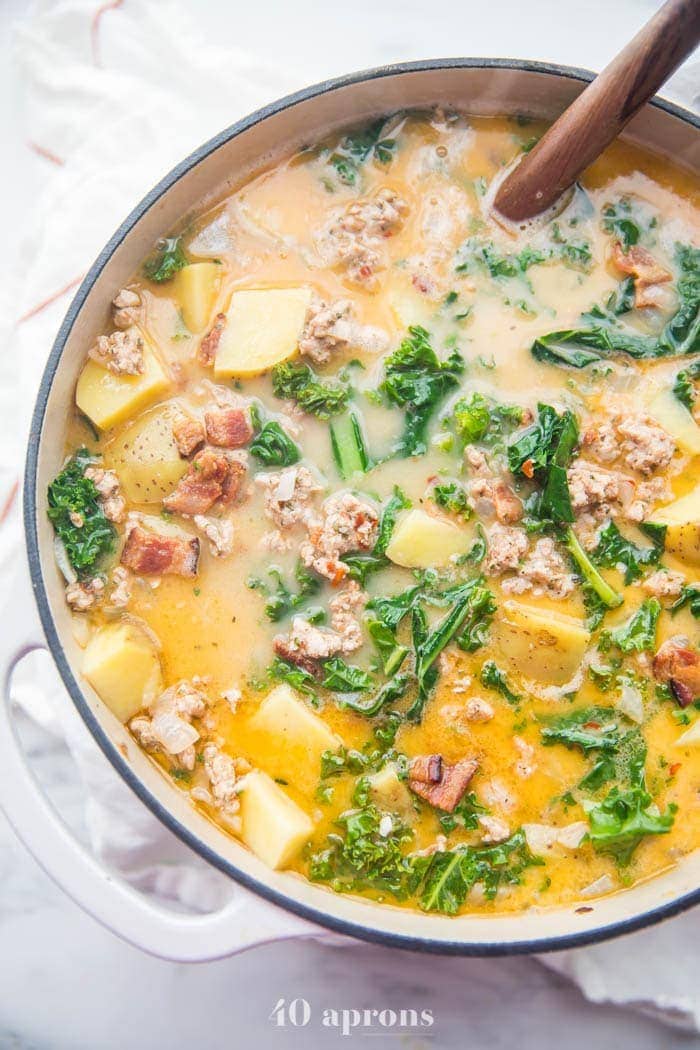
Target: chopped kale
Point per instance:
(452, 497)
(341, 677)
(638, 634)
(348, 446)
(602, 334)
(416, 380)
(76, 514)
(360, 146)
(274, 447)
(389, 693)
(684, 385)
(297, 677)
(597, 591)
(452, 874)
(492, 677)
(297, 382)
(614, 550)
(689, 596)
(282, 601)
(479, 418)
(626, 816)
(543, 452)
(166, 260)
(617, 220)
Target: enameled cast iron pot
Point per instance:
(478, 86)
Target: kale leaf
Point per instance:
(492, 677)
(614, 549)
(480, 418)
(348, 446)
(294, 381)
(358, 147)
(452, 497)
(362, 858)
(274, 447)
(452, 874)
(620, 822)
(341, 677)
(638, 634)
(598, 595)
(76, 514)
(543, 451)
(603, 335)
(589, 728)
(416, 380)
(166, 260)
(684, 385)
(617, 220)
(690, 596)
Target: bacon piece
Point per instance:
(210, 343)
(211, 476)
(150, 553)
(427, 769)
(679, 665)
(647, 272)
(189, 435)
(446, 792)
(228, 427)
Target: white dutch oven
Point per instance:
(477, 86)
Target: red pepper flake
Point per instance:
(591, 725)
(673, 769)
(528, 468)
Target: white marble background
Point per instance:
(67, 983)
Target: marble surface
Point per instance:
(67, 983)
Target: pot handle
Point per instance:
(243, 923)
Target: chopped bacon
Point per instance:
(212, 476)
(228, 427)
(150, 553)
(679, 665)
(427, 769)
(189, 435)
(210, 343)
(647, 273)
(446, 792)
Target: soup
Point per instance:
(380, 522)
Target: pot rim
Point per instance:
(109, 749)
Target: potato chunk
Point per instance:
(262, 328)
(289, 738)
(677, 421)
(146, 457)
(122, 665)
(538, 643)
(390, 793)
(423, 541)
(682, 521)
(274, 827)
(195, 289)
(108, 399)
(691, 736)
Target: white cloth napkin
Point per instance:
(115, 95)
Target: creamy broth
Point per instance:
(546, 751)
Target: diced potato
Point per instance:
(122, 665)
(691, 737)
(677, 421)
(682, 521)
(409, 306)
(538, 643)
(390, 793)
(262, 328)
(274, 827)
(146, 458)
(290, 738)
(108, 399)
(423, 541)
(195, 288)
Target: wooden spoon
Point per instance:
(600, 113)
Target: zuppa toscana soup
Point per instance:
(381, 522)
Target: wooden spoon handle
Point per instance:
(597, 116)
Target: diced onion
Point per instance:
(172, 732)
(631, 703)
(540, 837)
(61, 555)
(602, 885)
